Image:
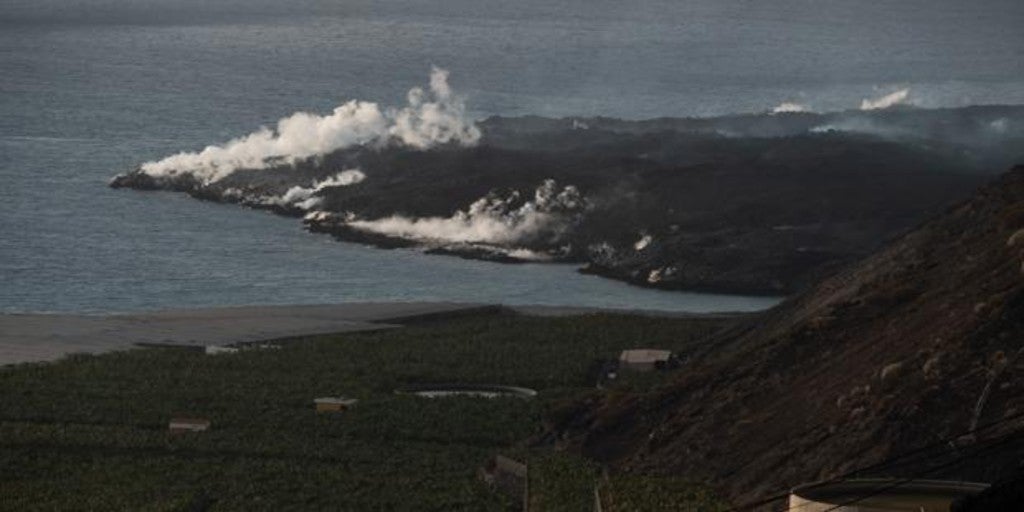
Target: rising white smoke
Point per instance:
(492, 220)
(889, 100)
(789, 107)
(431, 117)
(305, 198)
(1001, 125)
(644, 242)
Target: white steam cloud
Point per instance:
(1001, 125)
(644, 242)
(889, 100)
(492, 220)
(789, 107)
(305, 197)
(431, 117)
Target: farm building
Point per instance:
(182, 425)
(644, 359)
(881, 495)
(218, 349)
(334, 403)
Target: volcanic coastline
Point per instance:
(751, 204)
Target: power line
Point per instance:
(886, 462)
(898, 483)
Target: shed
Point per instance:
(219, 349)
(333, 403)
(182, 425)
(644, 359)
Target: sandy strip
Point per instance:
(540, 310)
(46, 337)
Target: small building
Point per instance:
(334, 403)
(219, 349)
(644, 359)
(182, 425)
(881, 495)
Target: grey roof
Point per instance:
(644, 355)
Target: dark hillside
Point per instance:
(913, 346)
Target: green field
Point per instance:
(90, 432)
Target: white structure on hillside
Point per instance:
(643, 359)
(334, 403)
(881, 495)
(182, 425)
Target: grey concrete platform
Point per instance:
(47, 337)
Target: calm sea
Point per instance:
(92, 88)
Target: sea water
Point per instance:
(92, 88)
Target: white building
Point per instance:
(881, 495)
(643, 359)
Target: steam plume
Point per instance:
(432, 117)
(789, 107)
(1001, 125)
(305, 197)
(894, 98)
(492, 219)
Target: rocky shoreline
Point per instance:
(759, 204)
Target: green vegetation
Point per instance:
(627, 493)
(561, 483)
(90, 432)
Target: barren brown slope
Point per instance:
(889, 355)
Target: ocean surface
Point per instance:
(95, 87)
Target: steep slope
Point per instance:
(912, 346)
